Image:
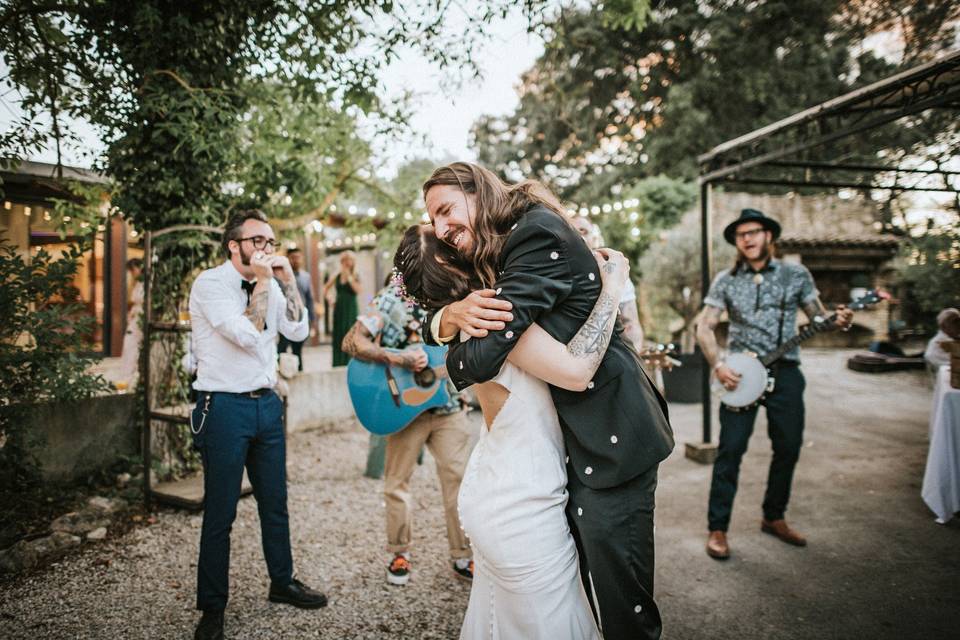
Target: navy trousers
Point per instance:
(785, 416)
(241, 431)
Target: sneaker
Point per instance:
(398, 572)
(463, 567)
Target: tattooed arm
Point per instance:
(815, 308)
(256, 310)
(293, 300)
(707, 323)
(359, 344)
(571, 366)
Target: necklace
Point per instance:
(757, 278)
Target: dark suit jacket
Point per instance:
(617, 428)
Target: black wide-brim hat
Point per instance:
(751, 215)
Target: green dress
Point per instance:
(344, 315)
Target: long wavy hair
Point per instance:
(499, 205)
(430, 271)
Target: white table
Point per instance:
(941, 480)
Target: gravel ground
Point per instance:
(143, 584)
(877, 566)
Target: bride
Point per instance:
(513, 494)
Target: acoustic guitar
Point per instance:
(388, 398)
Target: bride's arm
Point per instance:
(571, 366)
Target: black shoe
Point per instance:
(297, 594)
(464, 573)
(210, 626)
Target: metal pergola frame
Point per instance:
(791, 152)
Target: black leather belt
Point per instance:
(257, 393)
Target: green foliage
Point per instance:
(606, 104)
(42, 342)
(671, 276)
(662, 202)
(629, 15)
(930, 272)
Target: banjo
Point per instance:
(756, 379)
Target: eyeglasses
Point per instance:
(749, 233)
(260, 242)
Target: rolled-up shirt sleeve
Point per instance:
(210, 299)
(716, 296)
(536, 276)
(293, 330)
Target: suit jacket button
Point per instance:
(509, 334)
(579, 511)
(613, 439)
(637, 609)
(590, 385)
(554, 255)
(588, 470)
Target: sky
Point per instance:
(441, 119)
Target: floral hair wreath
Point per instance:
(400, 288)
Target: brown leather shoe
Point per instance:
(717, 547)
(780, 529)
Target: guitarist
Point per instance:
(396, 323)
(761, 296)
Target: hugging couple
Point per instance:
(558, 495)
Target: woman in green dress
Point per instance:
(347, 284)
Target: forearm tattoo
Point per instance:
(815, 308)
(256, 310)
(706, 324)
(294, 301)
(358, 344)
(592, 339)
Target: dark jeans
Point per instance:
(296, 347)
(785, 428)
(241, 431)
(613, 530)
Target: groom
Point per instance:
(616, 432)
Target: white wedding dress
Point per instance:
(526, 583)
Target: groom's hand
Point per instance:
(478, 313)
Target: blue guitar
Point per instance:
(387, 399)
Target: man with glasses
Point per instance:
(761, 296)
(237, 310)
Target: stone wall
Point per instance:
(77, 439)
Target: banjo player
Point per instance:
(761, 296)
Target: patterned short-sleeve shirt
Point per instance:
(399, 323)
(753, 300)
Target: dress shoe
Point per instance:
(717, 547)
(210, 626)
(780, 529)
(297, 594)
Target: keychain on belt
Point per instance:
(203, 419)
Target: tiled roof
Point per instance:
(872, 241)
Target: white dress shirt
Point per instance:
(231, 354)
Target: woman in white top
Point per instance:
(513, 495)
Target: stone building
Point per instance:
(836, 239)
